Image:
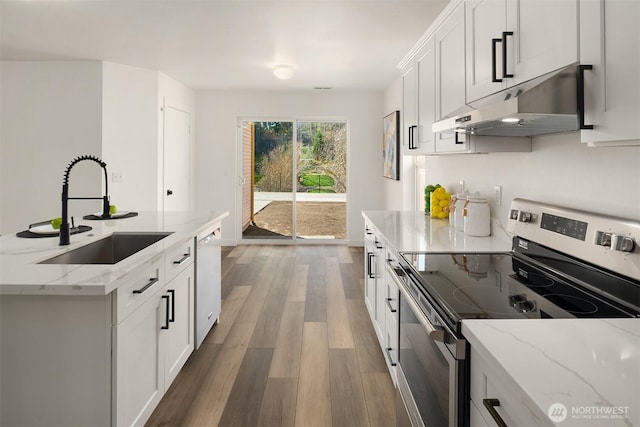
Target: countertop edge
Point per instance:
(99, 280)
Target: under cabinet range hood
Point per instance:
(552, 103)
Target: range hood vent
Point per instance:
(545, 105)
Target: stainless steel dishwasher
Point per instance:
(208, 293)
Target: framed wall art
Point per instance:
(391, 146)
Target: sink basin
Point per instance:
(109, 250)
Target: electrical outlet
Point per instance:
(117, 177)
(497, 190)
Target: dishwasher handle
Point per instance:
(209, 237)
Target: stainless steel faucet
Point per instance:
(64, 226)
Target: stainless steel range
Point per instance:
(564, 263)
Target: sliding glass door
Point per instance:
(293, 180)
(321, 195)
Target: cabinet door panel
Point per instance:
(139, 368)
(408, 113)
(485, 20)
(426, 70)
(450, 75)
(380, 295)
(612, 88)
(545, 37)
(179, 338)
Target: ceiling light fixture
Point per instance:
(283, 71)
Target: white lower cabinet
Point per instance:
(152, 345)
(139, 382)
(475, 418)
(179, 337)
(380, 312)
(490, 383)
(381, 296)
(370, 272)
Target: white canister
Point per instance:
(477, 217)
(458, 209)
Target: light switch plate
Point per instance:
(497, 195)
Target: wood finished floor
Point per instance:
(294, 346)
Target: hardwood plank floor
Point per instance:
(294, 346)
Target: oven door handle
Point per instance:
(436, 333)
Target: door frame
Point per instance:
(239, 179)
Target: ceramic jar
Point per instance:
(476, 217)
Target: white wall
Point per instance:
(51, 113)
(399, 195)
(130, 135)
(216, 150)
(560, 170)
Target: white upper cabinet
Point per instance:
(418, 99)
(612, 87)
(450, 60)
(484, 20)
(409, 113)
(426, 71)
(450, 76)
(512, 41)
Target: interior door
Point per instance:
(177, 153)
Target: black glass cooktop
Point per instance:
(516, 285)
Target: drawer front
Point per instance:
(178, 258)
(391, 345)
(512, 406)
(137, 287)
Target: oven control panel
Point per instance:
(610, 242)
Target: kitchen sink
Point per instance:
(109, 250)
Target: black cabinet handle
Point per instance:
(183, 259)
(505, 75)
(581, 69)
(491, 404)
(166, 312)
(388, 351)
(391, 309)
(169, 192)
(172, 318)
(412, 138)
(494, 66)
(457, 139)
(370, 256)
(149, 284)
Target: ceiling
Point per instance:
(213, 44)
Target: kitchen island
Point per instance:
(96, 344)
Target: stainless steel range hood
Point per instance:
(545, 105)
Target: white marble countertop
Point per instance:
(591, 366)
(20, 272)
(413, 231)
(586, 364)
